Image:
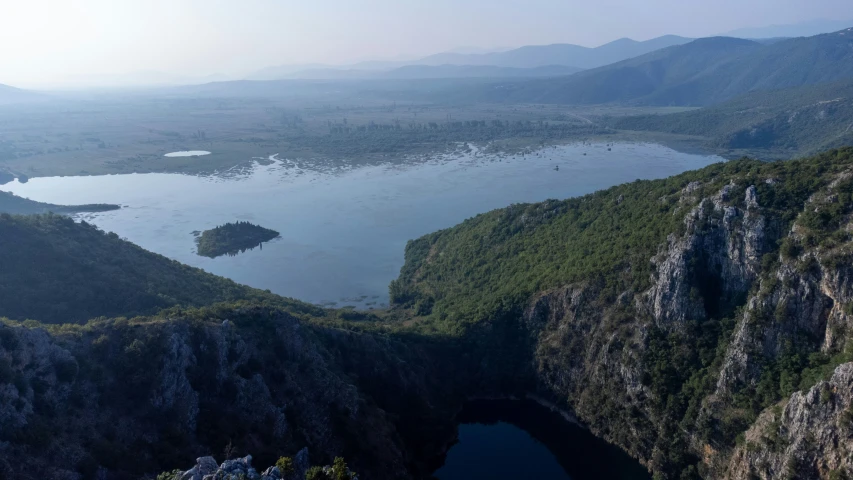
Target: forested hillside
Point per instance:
(57, 271)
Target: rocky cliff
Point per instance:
(805, 436)
(742, 302)
(286, 468)
(124, 398)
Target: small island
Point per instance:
(232, 238)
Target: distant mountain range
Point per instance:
(411, 72)
(479, 50)
(532, 56)
(667, 70)
(702, 72)
(559, 54)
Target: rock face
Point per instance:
(804, 299)
(713, 263)
(160, 391)
(594, 354)
(784, 309)
(206, 468)
(809, 436)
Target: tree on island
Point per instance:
(233, 238)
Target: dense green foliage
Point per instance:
(55, 270)
(702, 72)
(285, 465)
(801, 120)
(338, 471)
(13, 204)
(233, 238)
(495, 261)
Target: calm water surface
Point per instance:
(343, 233)
(511, 440)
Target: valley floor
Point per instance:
(132, 135)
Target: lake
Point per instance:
(511, 440)
(343, 231)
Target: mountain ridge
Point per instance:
(415, 72)
(560, 54)
(702, 72)
(529, 56)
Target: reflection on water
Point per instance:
(343, 232)
(509, 440)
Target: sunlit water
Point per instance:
(343, 233)
(188, 153)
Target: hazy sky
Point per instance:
(51, 41)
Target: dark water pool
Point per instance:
(507, 439)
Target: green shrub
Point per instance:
(285, 465)
(317, 473)
(173, 475)
(340, 471)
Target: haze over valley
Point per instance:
(407, 240)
